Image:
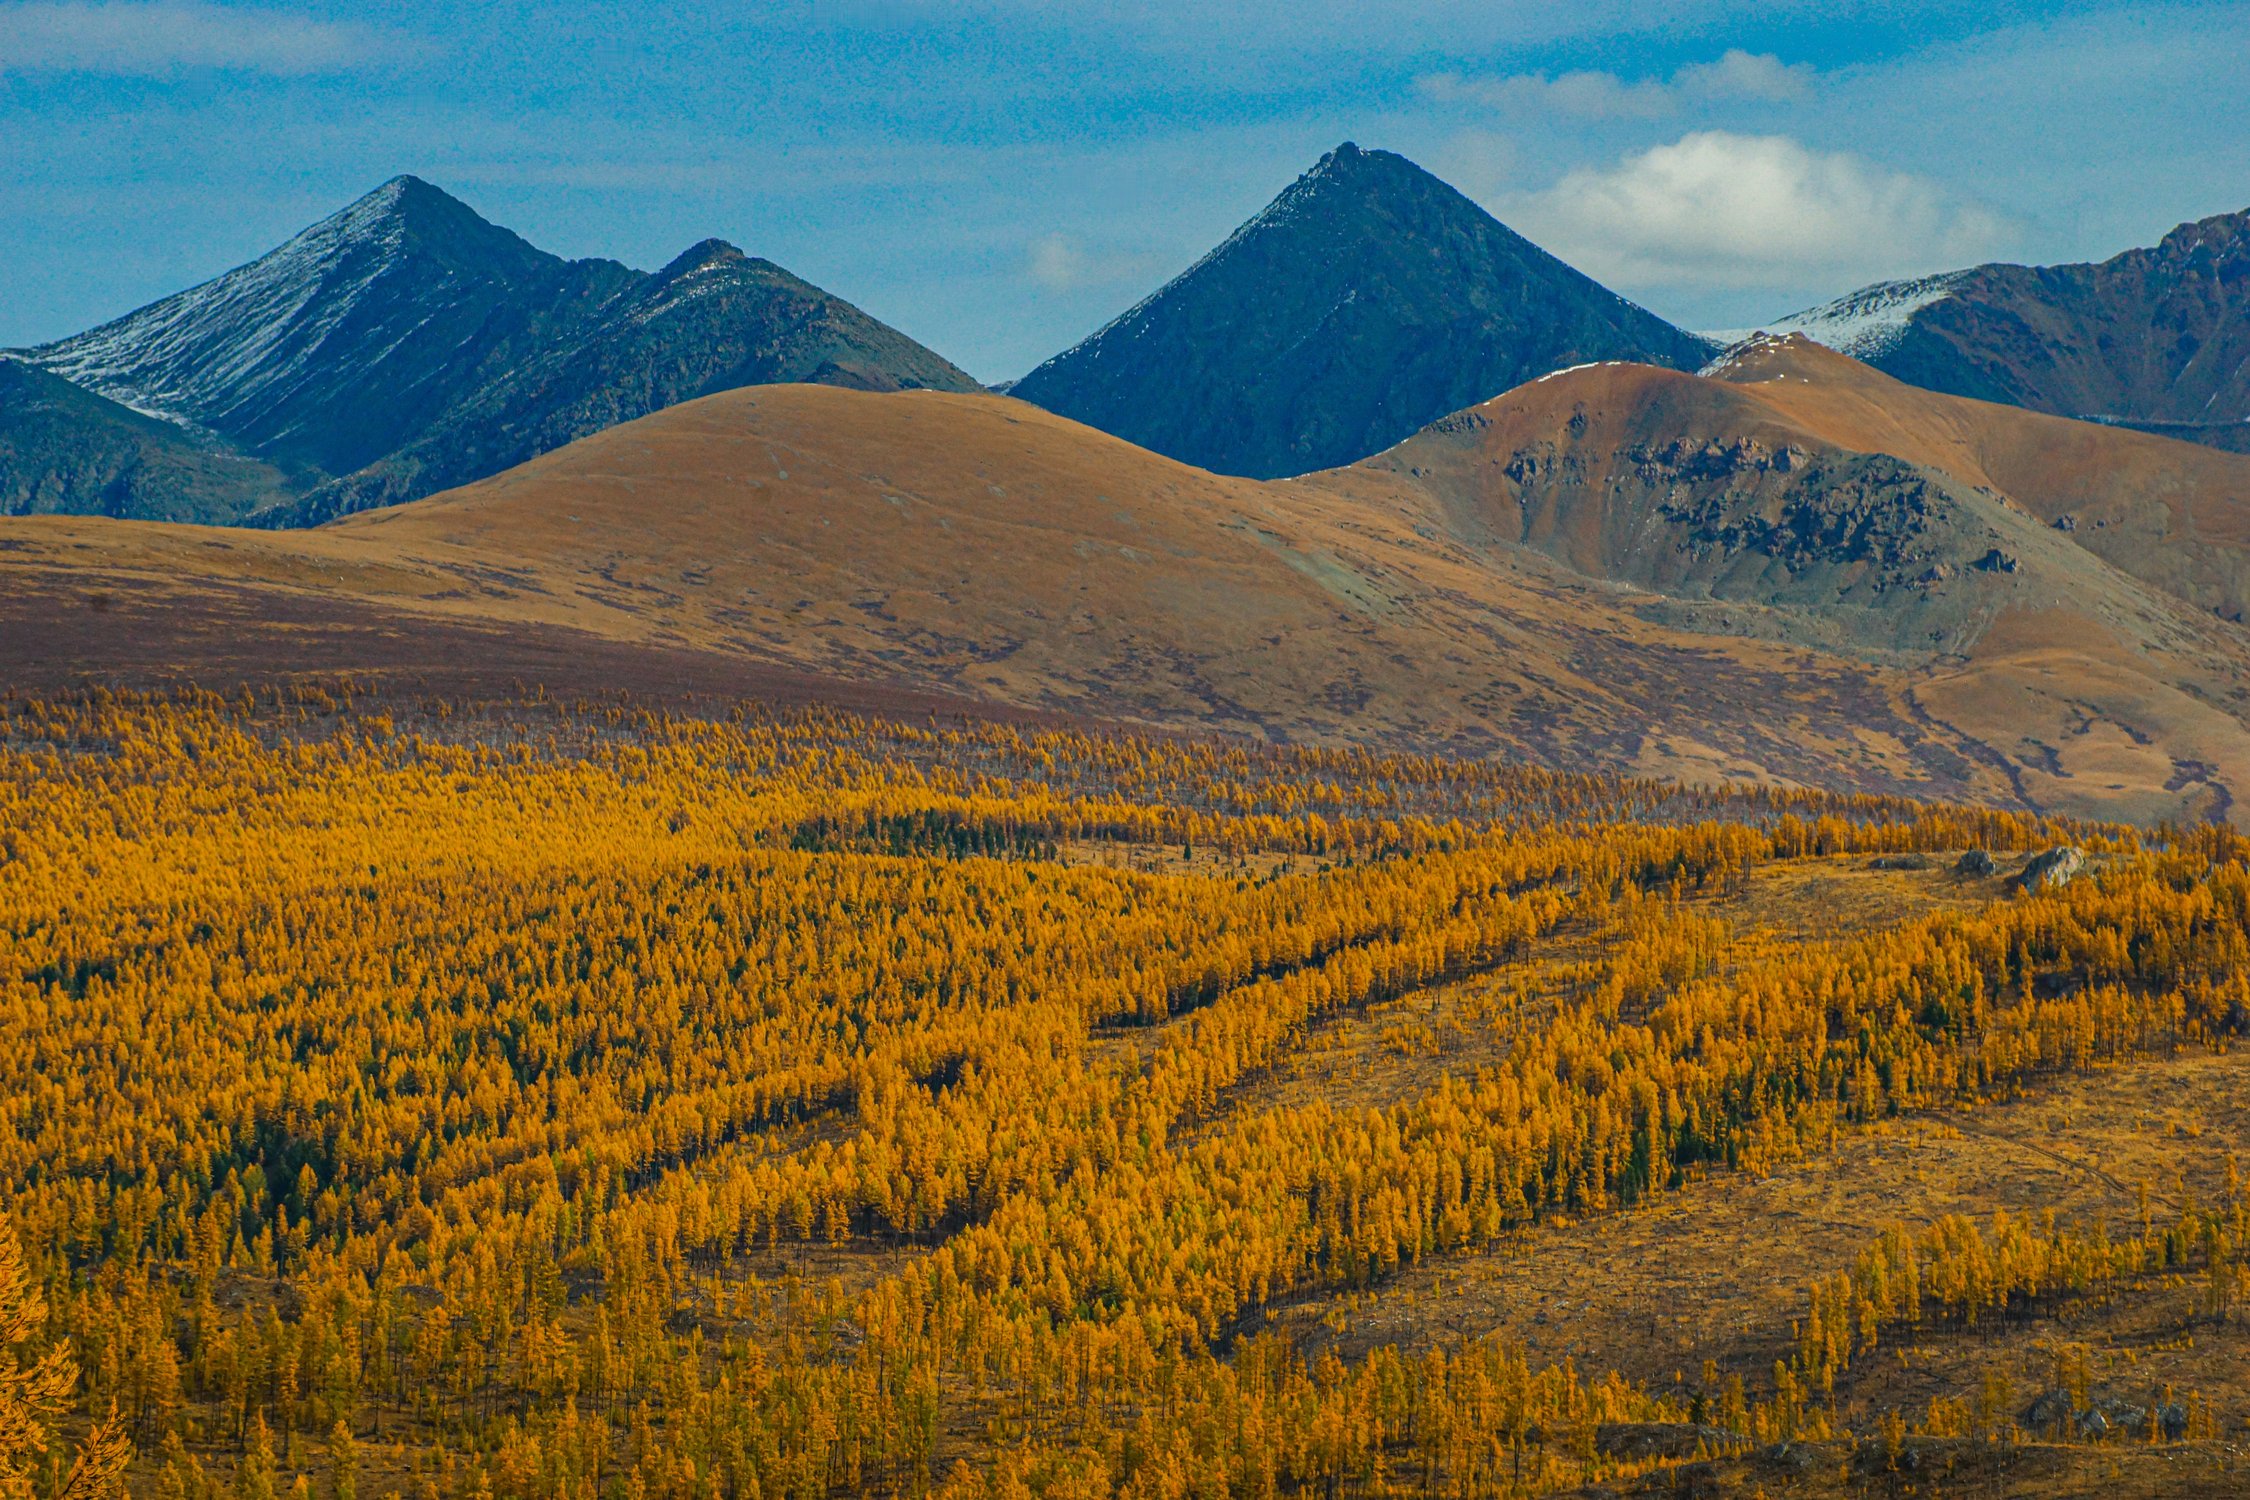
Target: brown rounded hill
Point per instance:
(1617, 567)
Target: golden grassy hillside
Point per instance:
(965, 550)
(979, 549)
(2092, 660)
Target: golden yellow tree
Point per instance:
(34, 1395)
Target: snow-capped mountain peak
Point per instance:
(403, 344)
(173, 357)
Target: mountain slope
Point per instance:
(2175, 515)
(335, 348)
(2156, 338)
(975, 548)
(1779, 498)
(1739, 489)
(408, 337)
(712, 320)
(1368, 299)
(64, 450)
(1652, 589)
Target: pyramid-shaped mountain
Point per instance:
(1365, 301)
(328, 352)
(2154, 338)
(405, 344)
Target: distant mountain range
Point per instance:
(1370, 298)
(1544, 524)
(404, 345)
(1365, 301)
(1790, 568)
(2157, 339)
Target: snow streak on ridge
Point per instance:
(1863, 324)
(248, 331)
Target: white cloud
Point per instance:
(1714, 209)
(1735, 75)
(1746, 75)
(1056, 262)
(155, 38)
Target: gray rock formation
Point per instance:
(2051, 869)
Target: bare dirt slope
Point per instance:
(1797, 496)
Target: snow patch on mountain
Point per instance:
(247, 333)
(1864, 324)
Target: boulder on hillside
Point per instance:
(2050, 1411)
(2124, 1418)
(1976, 864)
(2051, 869)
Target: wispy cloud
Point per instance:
(1592, 95)
(158, 38)
(1715, 209)
(1589, 95)
(1480, 163)
(1745, 75)
(1061, 263)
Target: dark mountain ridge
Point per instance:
(2155, 338)
(711, 320)
(405, 343)
(345, 341)
(66, 451)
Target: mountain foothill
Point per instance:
(1376, 470)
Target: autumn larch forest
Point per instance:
(1245, 750)
(578, 1100)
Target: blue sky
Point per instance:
(999, 177)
